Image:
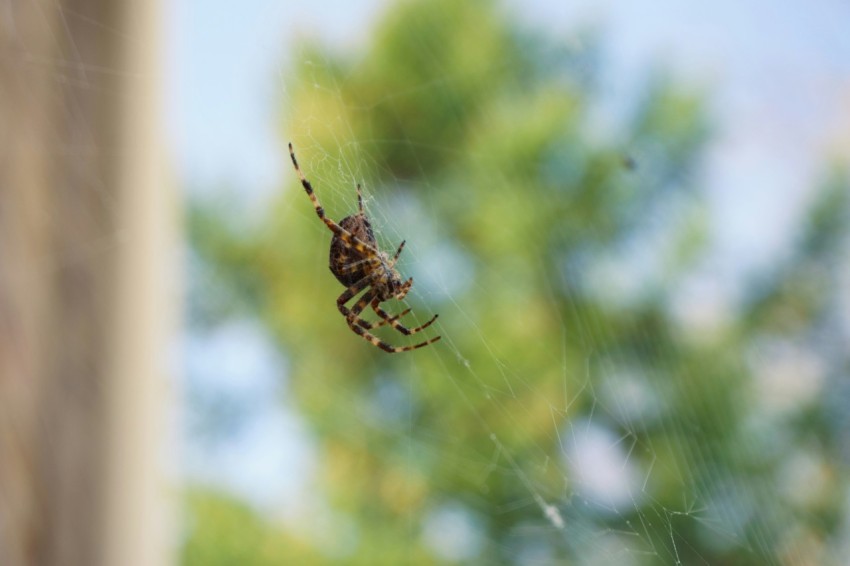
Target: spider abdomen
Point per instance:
(346, 263)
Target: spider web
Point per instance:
(609, 426)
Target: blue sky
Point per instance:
(779, 73)
(224, 82)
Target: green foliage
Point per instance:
(223, 531)
(476, 138)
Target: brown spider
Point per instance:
(357, 263)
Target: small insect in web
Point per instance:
(357, 263)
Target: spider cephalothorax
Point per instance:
(357, 263)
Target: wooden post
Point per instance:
(87, 284)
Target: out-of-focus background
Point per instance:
(632, 220)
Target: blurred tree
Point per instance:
(480, 139)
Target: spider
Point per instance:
(357, 263)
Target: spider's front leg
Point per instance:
(343, 234)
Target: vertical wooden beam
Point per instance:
(144, 314)
(26, 114)
(87, 257)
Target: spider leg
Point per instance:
(375, 341)
(373, 325)
(354, 314)
(349, 293)
(355, 311)
(405, 287)
(397, 253)
(357, 264)
(343, 234)
(389, 319)
(383, 322)
(393, 321)
(359, 199)
(362, 327)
